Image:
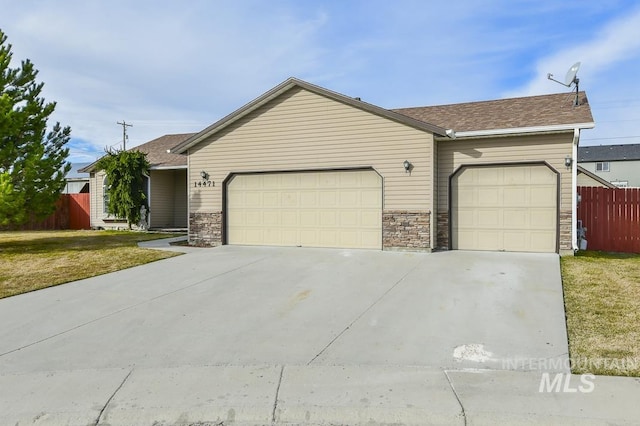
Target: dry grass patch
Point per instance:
(602, 301)
(37, 259)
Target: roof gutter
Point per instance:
(574, 190)
(516, 130)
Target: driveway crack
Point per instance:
(275, 401)
(375, 302)
(111, 398)
(464, 415)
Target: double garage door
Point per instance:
(310, 209)
(510, 208)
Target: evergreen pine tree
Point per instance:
(32, 161)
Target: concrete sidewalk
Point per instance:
(314, 395)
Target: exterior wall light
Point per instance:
(204, 175)
(568, 161)
(407, 166)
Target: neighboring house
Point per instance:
(618, 164)
(304, 166)
(77, 182)
(166, 189)
(586, 178)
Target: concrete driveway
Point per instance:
(237, 322)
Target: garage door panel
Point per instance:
(349, 180)
(370, 238)
(349, 199)
(488, 176)
(328, 199)
(541, 218)
(309, 219)
(348, 218)
(511, 208)
(271, 218)
(488, 218)
(487, 196)
(515, 218)
(308, 199)
(541, 176)
(486, 239)
(370, 219)
(544, 196)
(321, 209)
(544, 240)
(515, 240)
(514, 176)
(370, 198)
(466, 218)
(515, 196)
(289, 199)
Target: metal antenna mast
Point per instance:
(124, 125)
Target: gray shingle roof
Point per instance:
(608, 153)
(530, 111)
(157, 154)
(156, 151)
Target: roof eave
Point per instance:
(90, 168)
(523, 130)
(284, 87)
(595, 177)
(168, 167)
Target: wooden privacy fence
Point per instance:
(72, 212)
(612, 218)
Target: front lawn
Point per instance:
(602, 302)
(32, 260)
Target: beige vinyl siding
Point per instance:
(168, 204)
(161, 199)
(99, 219)
(551, 148)
(180, 218)
(301, 130)
(585, 180)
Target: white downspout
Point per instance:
(574, 189)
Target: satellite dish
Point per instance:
(571, 75)
(569, 79)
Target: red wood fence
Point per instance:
(612, 218)
(72, 212)
(79, 211)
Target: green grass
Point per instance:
(602, 302)
(31, 260)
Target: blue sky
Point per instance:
(176, 67)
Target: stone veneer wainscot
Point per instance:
(205, 229)
(406, 230)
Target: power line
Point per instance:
(610, 137)
(124, 125)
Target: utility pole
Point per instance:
(124, 125)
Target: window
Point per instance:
(105, 195)
(602, 166)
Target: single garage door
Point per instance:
(510, 208)
(310, 209)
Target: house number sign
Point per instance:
(204, 183)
